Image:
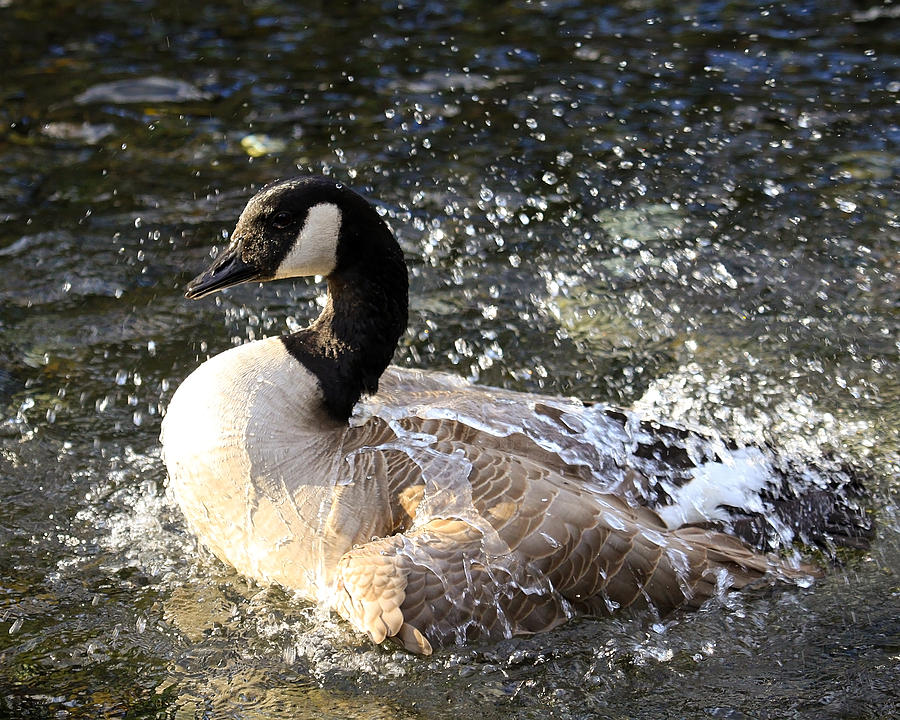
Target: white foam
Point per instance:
(736, 482)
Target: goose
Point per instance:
(426, 509)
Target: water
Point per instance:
(691, 208)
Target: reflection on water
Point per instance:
(688, 207)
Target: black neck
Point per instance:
(353, 340)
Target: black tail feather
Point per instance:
(827, 517)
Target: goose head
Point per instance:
(316, 226)
(302, 227)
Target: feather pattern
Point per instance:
(507, 536)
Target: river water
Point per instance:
(690, 208)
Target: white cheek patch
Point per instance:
(314, 251)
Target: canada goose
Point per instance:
(435, 511)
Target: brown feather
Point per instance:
(532, 543)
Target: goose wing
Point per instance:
(502, 531)
(444, 582)
(611, 450)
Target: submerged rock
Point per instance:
(257, 145)
(152, 89)
(88, 133)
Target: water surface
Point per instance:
(691, 208)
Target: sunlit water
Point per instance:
(691, 208)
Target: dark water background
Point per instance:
(691, 207)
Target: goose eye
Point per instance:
(281, 219)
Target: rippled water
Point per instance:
(691, 208)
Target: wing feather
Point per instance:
(530, 536)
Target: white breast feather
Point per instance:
(251, 465)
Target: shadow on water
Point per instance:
(689, 207)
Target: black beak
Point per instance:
(227, 270)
